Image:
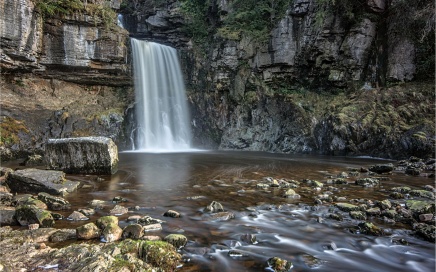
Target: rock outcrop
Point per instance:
(35, 180)
(84, 155)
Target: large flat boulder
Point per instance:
(33, 180)
(83, 155)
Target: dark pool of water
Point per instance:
(284, 228)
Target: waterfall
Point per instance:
(161, 106)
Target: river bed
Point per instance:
(293, 229)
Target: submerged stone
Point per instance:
(83, 155)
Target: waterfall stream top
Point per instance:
(163, 120)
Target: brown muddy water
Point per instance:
(285, 228)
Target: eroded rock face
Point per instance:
(75, 48)
(84, 155)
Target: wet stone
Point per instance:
(111, 233)
(77, 216)
(177, 240)
(55, 203)
(249, 238)
(222, 216)
(172, 213)
(119, 199)
(346, 207)
(119, 210)
(370, 229)
(382, 168)
(279, 265)
(87, 212)
(88, 231)
(428, 232)
(422, 193)
(152, 227)
(426, 217)
(104, 221)
(214, 207)
(29, 214)
(367, 182)
(63, 235)
(147, 220)
(373, 211)
(133, 231)
(359, 215)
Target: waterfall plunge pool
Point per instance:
(286, 228)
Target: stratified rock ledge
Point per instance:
(83, 155)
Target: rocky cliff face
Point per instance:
(316, 84)
(279, 95)
(62, 76)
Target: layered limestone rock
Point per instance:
(83, 155)
(76, 47)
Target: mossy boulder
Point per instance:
(422, 193)
(381, 168)
(359, 215)
(426, 231)
(347, 207)
(29, 200)
(112, 232)
(55, 203)
(367, 182)
(133, 231)
(160, 254)
(103, 221)
(418, 207)
(30, 214)
(88, 231)
(370, 229)
(290, 193)
(177, 240)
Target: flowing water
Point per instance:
(286, 228)
(161, 108)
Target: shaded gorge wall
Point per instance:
(346, 78)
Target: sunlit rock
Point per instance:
(84, 155)
(112, 232)
(88, 231)
(103, 221)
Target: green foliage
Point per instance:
(348, 9)
(195, 12)
(9, 130)
(52, 8)
(254, 19)
(58, 7)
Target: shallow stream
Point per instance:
(287, 228)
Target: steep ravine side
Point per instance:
(318, 84)
(321, 82)
(62, 75)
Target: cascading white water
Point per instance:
(161, 107)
